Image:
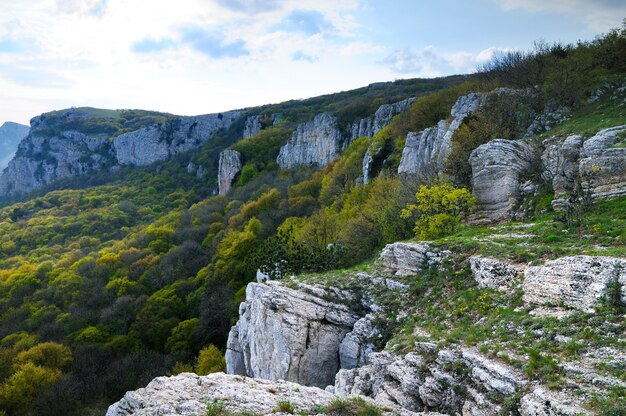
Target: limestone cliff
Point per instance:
(371, 126)
(77, 142)
(314, 143)
(229, 168)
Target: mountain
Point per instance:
(10, 136)
(453, 245)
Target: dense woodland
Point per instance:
(108, 282)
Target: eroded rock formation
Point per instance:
(229, 168)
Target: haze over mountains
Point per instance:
(10, 136)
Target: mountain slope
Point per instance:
(10, 136)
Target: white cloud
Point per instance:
(597, 15)
(429, 62)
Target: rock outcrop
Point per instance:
(371, 126)
(492, 273)
(55, 148)
(229, 168)
(41, 160)
(289, 334)
(498, 168)
(425, 153)
(151, 144)
(254, 124)
(428, 379)
(10, 136)
(315, 143)
(405, 259)
(577, 282)
(560, 164)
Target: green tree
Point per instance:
(439, 210)
(210, 360)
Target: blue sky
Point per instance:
(201, 56)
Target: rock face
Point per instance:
(48, 154)
(288, 334)
(405, 259)
(41, 160)
(312, 144)
(371, 126)
(577, 282)
(498, 168)
(10, 136)
(426, 380)
(254, 124)
(148, 145)
(229, 167)
(544, 402)
(424, 153)
(590, 165)
(493, 273)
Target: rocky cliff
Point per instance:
(371, 126)
(77, 142)
(10, 136)
(254, 124)
(229, 167)
(291, 334)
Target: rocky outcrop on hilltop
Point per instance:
(577, 282)
(229, 167)
(291, 334)
(498, 168)
(254, 124)
(371, 126)
(591, 166)
(50, 153)
(151, 144)
(315, 143)
(10, 136)
(41, 160)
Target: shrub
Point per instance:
(439, 210)
(210, 360)
(285, 406)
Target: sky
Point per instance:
(201, 56)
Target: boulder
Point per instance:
(498, 168)
(314, 143)
(404, 259)
(492, 273)
(560, 164)
(357, 344)
(289, 334)
(229, 168)
(577, 282)
(602, 166)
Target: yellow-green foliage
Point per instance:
(46, 354)
(19, 391)
(439, 210)
(210, 360)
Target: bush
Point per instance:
(439, 210)
(210, 360)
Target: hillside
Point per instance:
(136, 235)
(10, 136)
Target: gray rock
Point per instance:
(357, 344)
(424, 154)
(560, 164)
(544, 402)
(493, 273)
(463, 107)
(603, 168)
(288, 334)
(254, 124)
(577, 282)
(315, 143)
(371, 126)
(497, 168)
(551, 116)
(229, 168)
(404, 259)
(151, 144)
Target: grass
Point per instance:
(285, 406)
(355, 406)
